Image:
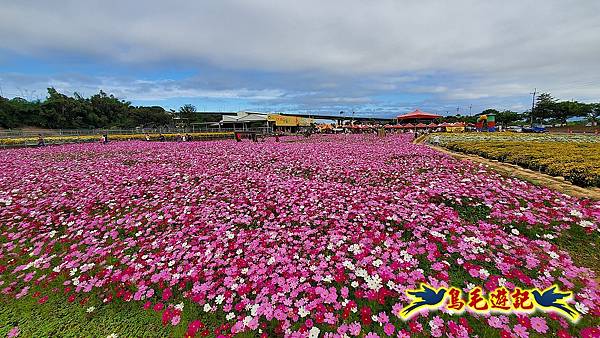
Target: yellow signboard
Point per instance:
(455, 129)
(289, 121)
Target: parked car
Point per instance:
(516, 129)
(534, 129)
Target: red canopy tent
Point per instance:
(418, 115)
(421, 125)
(408, 125)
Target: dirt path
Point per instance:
(512, 170)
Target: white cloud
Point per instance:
(492, 49)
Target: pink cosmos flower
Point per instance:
(354, 328)
(266, 231)
(521, 331)
(590, 332)
(539, 324)
(14, 332)
(389, 329)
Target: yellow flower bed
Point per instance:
(575, 161)
(111, 137)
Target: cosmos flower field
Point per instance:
(316, 236)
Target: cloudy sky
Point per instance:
(376, 57)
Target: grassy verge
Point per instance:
(58, 318)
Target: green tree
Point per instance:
(508, 117)
(567, 109)
(61, 111)
(54, 110)
(490, 111)
(545, 107)
(594, 112)
(187, 112)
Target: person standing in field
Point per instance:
(41, 142)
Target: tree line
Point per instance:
(547, 110)
(59, 111)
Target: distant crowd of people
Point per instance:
(253, 136)
(179, 138)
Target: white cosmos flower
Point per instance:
(302, 312)
(90, 309)
(230, 316)
(582, 308)
(576, 213)
(373, 282)
(348, 265)
(586, 224)
(360, 272)
(314, 332)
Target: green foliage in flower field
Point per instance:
(582, 245)
(58, 318)
(576, 158)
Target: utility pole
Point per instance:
(533, 104)
(470, 106)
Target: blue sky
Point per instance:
(376, 58)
